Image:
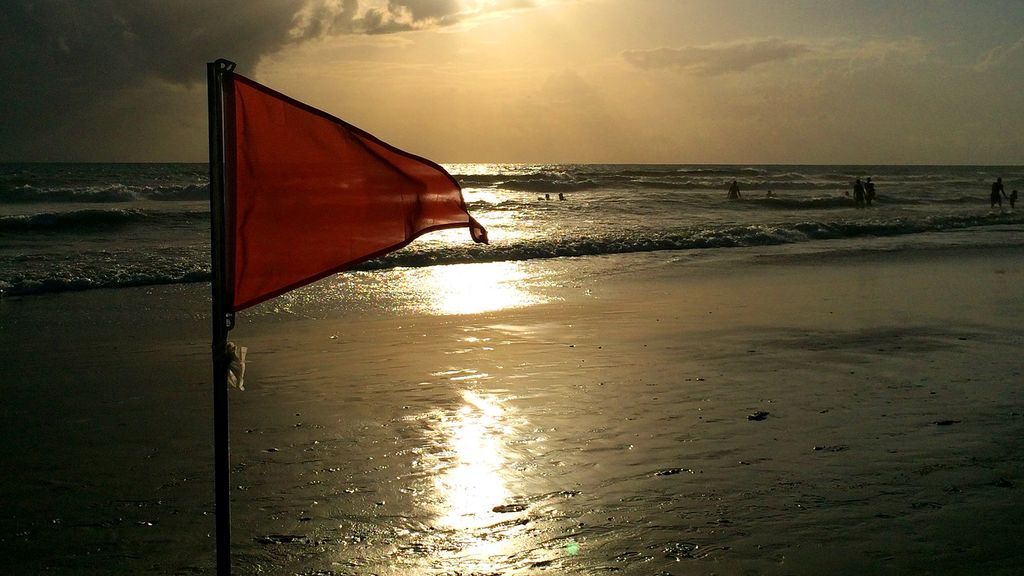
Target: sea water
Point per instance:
(66, 227)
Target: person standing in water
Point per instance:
(858, 192)
(869, 191)
(734, 191)
(1013, 199)
(998, 193)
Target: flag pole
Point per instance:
(222, 318)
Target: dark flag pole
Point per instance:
(222, 318)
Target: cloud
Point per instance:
(742, 55)
(327, 17)
(65, 61)
(999, 55)
(718, 59)
(112, 42)
(871, 52)
(60, 58)
(117, 40)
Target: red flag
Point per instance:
(309, 195)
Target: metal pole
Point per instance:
(221, 462)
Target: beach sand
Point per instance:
(639, 414)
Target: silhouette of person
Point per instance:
(869, 191)
(858, 192)
(769, 194)
(561, 196)
(998, 193)
(1013, 199)
(734, 191)
(547, 196)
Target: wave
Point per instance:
(642, 172)
(827, 202)
(503, 205)
(978, 200)
(817, 203)
(27, 194)
(475, 180)
(634, 179)
(547, 185)
(92, 220)
(178, 192)
(686, 239)
(33, 277)
(722, 171)
(48, 285)
(752, 180)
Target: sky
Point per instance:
(547, 81)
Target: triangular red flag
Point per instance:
(309, 195)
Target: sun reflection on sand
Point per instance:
(472, 288)
(471, 481)
(474, 484)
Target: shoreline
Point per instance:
(614, 416)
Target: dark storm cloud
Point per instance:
(111, 42)
(65, 62)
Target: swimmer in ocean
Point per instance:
(734, 191)
(998, 193)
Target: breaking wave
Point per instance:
(26, 276)
(27, 193)
(93, 220)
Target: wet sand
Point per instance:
(653, 414)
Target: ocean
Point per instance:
(69, 227)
